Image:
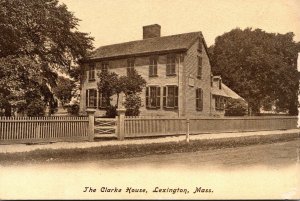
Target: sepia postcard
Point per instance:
(149, 99)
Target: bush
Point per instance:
(236, 107)
(111, 111)
(133, 102)
(36, 108)
(73, 109)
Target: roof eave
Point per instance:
(95, 59)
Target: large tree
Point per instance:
(260, 66)
(39, 39)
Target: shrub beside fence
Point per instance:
(43, 129)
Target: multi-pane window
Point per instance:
(153, 67)
(170, 96)
(171, 65)
(91, 98)
(219, 103)
(91, 72)
(104, 67)
(199, 99)
(130, 66)
(102, 101)
(199, 73)
(153, 97)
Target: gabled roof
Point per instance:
(180, 42)
(230, 92)
(224, 91)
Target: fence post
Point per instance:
(121, 123)
(187, 130)
(91, 129)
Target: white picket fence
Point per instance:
(159, 126)
(43, 129)
(54, 129)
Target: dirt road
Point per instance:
(267, 171)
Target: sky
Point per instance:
(116, 21)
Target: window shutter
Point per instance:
(87, 98)
(155, 69)
(95, 98)
(147, 97)
(85, 75)
(164, 97)
(223, 102)
(173, 65)
(168, 65)
(201, 99)
(150, 70)
(199, 67)
(176, 97)
(100, 103)
(157, 97)
(93, 72)
(200, 46)
(197, 98)
(217, 102)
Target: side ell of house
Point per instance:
(176, 69)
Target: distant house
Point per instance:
(176, 68)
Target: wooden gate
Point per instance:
(105, 127)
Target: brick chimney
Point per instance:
(219, 80)
(151, 31)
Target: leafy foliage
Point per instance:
(131, 85)
(64, 90)
(109, 84)
(38, 39)
(73, 109)
(235, 107)
(133, 102)
(36, 108)
(258, 66)
(111, 111)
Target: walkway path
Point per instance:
(15, 148)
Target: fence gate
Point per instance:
(105, 127)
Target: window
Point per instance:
(199, 74)
(130, 66)
(153, 97)
(170, 97)
(153, 67)
(102, 102)
(219, 103)
(199, 99)
(91, 98)
(200, 46)
(171, 65)
(91, 72)
(104, 66)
